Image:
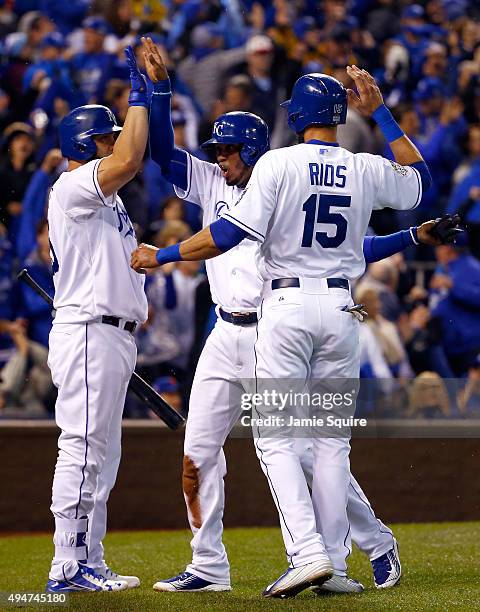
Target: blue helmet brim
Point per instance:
(209, 143)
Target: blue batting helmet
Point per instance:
(77, 128)
(241, 128)
(316, 99)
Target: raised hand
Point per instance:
(154, 63)
(138, 93)
(369, 96)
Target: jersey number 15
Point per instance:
(323, 215)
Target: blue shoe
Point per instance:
(189, 583)
(297, 579)
(86, 579)
(387, 569)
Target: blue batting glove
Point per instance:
(138, 94)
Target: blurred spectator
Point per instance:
(25, 381)
(16, 170)
(382, 22)
(185, 282)
(119, 15)
(372, 362)
(264, 96)
(173, 209)
(455, 305)
(35, 201)
(49, 63)
(472, 150)
(7, 20)
(382, 277)
(204, 68)
(157, 341)
(385, 333)
(468, 398)
(421, 336)
(428, 397)
(237, 97)
(93, 67)
(66, 15)
(34, 308)
(465, 198)
(438, 147)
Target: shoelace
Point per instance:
(93, 576)
(110, 574)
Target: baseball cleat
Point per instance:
(87, 580)
(108, 574)
(297, 579)
(339, 584)
(187, 582)
(387, 569)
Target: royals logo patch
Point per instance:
(398, 168)
(220, 208)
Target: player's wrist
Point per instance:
(168, 254)
(162, 87)
(138, 98)
(387, 124)
(413, 231)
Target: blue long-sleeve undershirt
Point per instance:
(424, 173)
(172, 161)
(380, 247)
(227, 235)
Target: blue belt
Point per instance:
(239, 318)
(332, 283)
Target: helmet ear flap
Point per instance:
(249, 155)
(85, 145)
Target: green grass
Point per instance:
(440, 563)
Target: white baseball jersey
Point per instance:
(309, 206)
(234, 280)
(91, 239)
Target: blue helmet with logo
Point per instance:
(241, 128)
(80, 125)
(316, 99)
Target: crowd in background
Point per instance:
(225, 55)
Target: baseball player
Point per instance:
(92, 353)
(309, 207)
(240, 139)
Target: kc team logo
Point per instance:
(218, 129)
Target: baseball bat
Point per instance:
(137, 384)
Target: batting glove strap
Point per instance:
(138, 94)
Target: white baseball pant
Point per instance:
(91, 366)
(228, 355)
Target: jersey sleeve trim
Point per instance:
(419, 196)
(183, 193)
(244, 226)
(96, 184)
